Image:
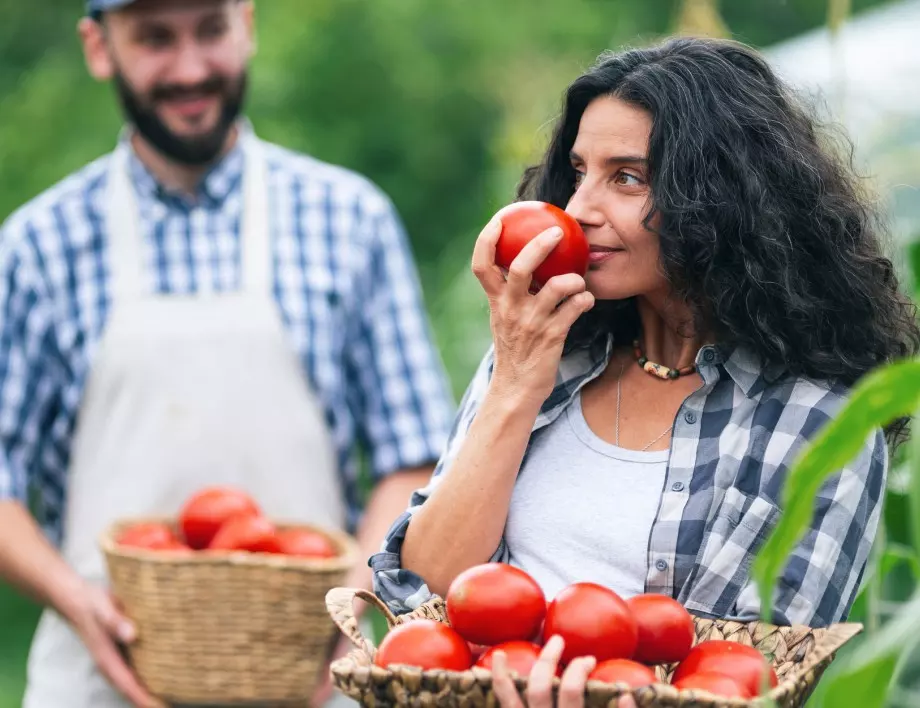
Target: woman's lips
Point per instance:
(596, 254)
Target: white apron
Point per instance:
(185, 391)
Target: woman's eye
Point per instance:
(627, 179)
(579, 177)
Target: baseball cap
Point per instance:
(94, 7)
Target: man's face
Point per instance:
(179, 67)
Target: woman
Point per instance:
(634, 427)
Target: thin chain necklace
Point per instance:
(617, 429)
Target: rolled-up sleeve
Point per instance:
(820, 581)
(401, 589)
(399, 392)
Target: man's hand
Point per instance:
(31, 564)
(101, 625)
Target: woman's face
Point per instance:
(612, 198)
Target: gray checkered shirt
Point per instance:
(734, 440)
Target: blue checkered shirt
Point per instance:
(733, 441)
(344, 281)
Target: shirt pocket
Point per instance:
(723, 564)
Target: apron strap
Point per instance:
(126, 239)
(257, 257)
(123, 222)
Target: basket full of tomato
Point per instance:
(648, 646)
(229, 605)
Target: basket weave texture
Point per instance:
(228, 629)
(799, 656)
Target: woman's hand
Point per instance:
(540, 682)
(528, 330)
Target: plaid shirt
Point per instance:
(733, 441)
(344, 281)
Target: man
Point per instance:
(198, 307)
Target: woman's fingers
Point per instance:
(562, 320)
(572, 686)
(483, 266)
(540, 682)
(520, 272)
(502, 684)
(557, 289)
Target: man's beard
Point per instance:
(192, 151)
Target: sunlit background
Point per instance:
(442, 103)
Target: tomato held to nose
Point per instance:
(524, 221)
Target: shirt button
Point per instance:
(709, 355)
(662, 565)
(690, 417)
(677, 486)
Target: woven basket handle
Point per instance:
(340, 603)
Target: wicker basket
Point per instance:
(798, 654)
(228, 629)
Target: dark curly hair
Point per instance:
(764, 229)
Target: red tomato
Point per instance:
(665, 629)
(426, 644)
(255, 534)
(178, 547)
(152, 536)
(477, 650)
(523, 221)
(716, 683)
(306, 544)
(743, 663)
(632, 673)
(494, 603)
(593, 621)
(521, 656)
(207, 510)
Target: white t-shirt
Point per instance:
(582, 509)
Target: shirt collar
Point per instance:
(220, 180)
(745, 367)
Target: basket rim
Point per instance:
(347, 544)
(615, 690)
(827, 644)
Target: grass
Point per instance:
(17, 623)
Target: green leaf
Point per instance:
(864, 687)
(864, 679)
(913, 488)
(896, 553)
(880, 397)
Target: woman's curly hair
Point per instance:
(764, 230)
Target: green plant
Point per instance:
(865, 675)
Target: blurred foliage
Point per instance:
(441, 104)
